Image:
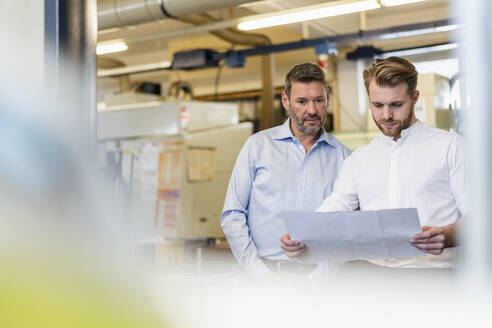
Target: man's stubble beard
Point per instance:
(404, 124)
(305, 129)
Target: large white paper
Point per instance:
(355, 235)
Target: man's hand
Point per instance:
(291, 247)
(434, 240)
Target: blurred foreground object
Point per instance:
(62, 264)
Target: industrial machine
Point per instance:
(170, 163)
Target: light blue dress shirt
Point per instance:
(273, 173)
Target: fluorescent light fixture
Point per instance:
(310, 13)
(110, 47)
(445, 28)
(134, 69)
(390, 3)
(418, 51)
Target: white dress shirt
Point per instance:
(423, 169)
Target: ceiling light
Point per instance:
(310, 13)
(418, 51)
(110, 47)
(404, 34)
(390, 3)
(134, 69)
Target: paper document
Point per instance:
(201, 163)
(355, 235)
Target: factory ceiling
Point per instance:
(157, 41)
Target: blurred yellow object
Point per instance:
(37, 293)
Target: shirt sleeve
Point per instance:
(234, 218)
(344, 196)
(456, 167)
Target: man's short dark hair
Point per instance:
(304, 73)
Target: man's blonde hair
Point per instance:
(390, 72)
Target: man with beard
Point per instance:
(410, 165)
(289, 167)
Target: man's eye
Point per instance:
(301, 101)
(319, 100)
(378, 105)
(397, 105)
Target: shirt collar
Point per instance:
(411, 130)
(404, 133)
(284, 132)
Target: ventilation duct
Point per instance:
(124, 13)
(229, 34)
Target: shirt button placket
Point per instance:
(301, 177)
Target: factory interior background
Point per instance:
(121, 122)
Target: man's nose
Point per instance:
(387, 113)
(311, 108)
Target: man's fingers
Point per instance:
(293, 248)
(295, 254)
(435, 239)
(427, 235)
(285, 240)
(436, 251)
(285, 237)
(431, 240)
(429, 246)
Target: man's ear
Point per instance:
(285, 100)
(415, 97)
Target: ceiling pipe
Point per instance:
(230, 35)
(125, 13)
(267, 61)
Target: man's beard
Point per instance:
(307, 130)
(402, 125)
